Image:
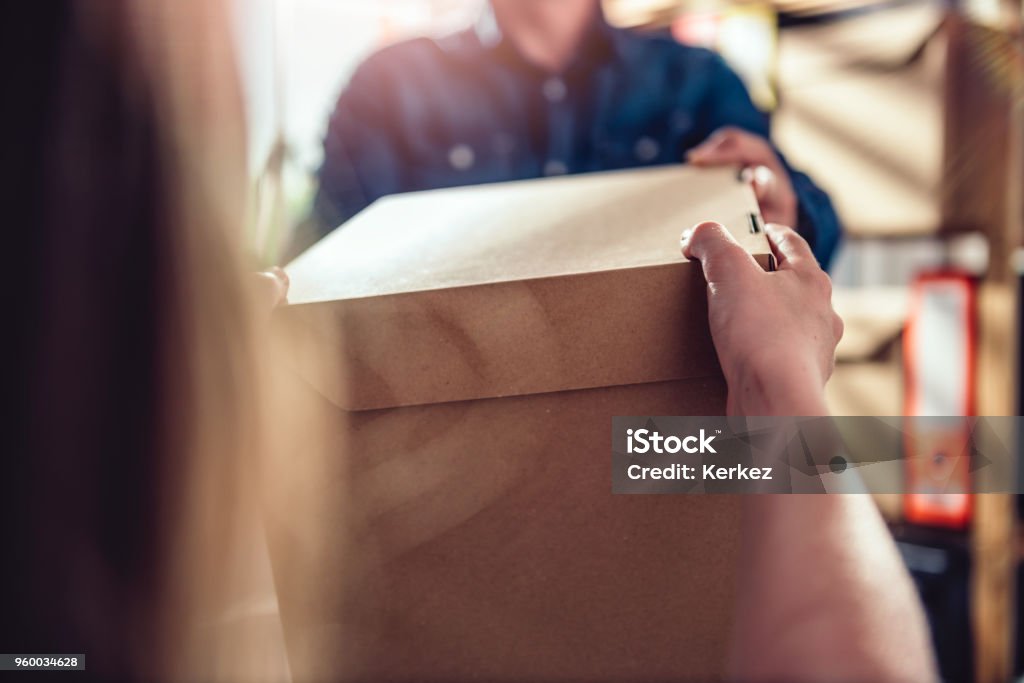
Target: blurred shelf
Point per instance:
(797, 11)
(874, 318)
(866, 121)
(868, 376)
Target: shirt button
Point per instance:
(554, 89)
(504, 144)
(555, 167)
(646, 149)
(461, 157)
(681, 121)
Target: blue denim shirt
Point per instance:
(468, 109)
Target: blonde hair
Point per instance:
(211, 409)
(148, 425)
(223, 410)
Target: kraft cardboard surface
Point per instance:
(480, 540)
(518, 288)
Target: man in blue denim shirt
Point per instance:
(543, 88)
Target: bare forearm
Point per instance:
(790, 389)
(824, 595)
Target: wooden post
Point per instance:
(981, 191)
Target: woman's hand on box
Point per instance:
(761, 167)
(775, 333)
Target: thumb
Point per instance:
(271, 288)
(714, 149)
(720, 255)
(762, 179)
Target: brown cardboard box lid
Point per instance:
(517, 288)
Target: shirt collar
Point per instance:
(598, 44)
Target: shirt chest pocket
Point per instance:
(483, 159)
(627, 143)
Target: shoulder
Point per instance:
(412, 60)
(676, 59)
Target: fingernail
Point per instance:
(685, 237)
(761, 175)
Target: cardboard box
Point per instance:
(481, 339)
(518, 288)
